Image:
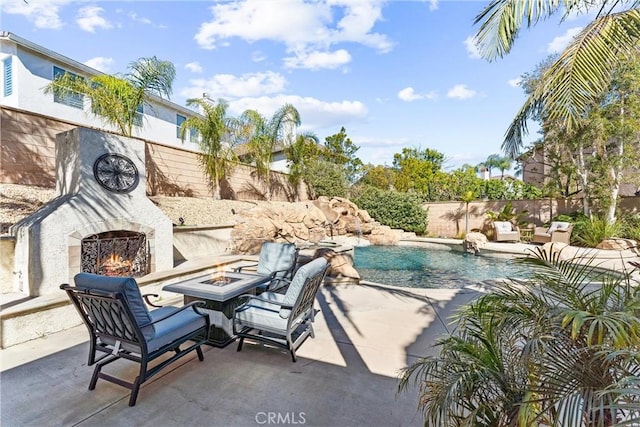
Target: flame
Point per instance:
(114, 265)
(219, 277)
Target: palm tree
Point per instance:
(118, 99)
(298, 155)
(580, 74)
(562, 348)
(467, 198)
(215, 130)
(504, 163)
(263, 136)
(493, 161)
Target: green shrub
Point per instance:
(394, 209)
(591, 232)
(631, 227)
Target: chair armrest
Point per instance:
(193, 305)
(257, 297)
(148, 301)
(540, 230)
(239, 269)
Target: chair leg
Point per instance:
(98, 368)
(94, 377)
(240, 342)
(138, 382)
(200, 355)
(293, 354)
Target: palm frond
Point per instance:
(153, 75)
(501, 21)
(575, 81)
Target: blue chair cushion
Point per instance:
(293, 291)
(124, 285)
(173, 328)
(263, 315)
(276, 257)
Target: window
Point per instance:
(75, 100)
(137, 120)
(7, 72)
(193, 135)
(179, 121)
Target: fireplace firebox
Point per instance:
(115, 253)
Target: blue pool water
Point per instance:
(416, 267)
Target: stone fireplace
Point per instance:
(115, 253)
(101, 220)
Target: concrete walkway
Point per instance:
(346, 376)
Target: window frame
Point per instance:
(7, 73)
(74, 100)
(179, 123)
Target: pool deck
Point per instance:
(345, 376)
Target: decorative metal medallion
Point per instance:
(116, 173)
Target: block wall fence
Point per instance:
(447, 219)
(27, 156)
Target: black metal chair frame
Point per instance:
(108, 317)
(302, 315)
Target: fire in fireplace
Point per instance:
(115, 253)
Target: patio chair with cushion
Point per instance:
(121, 327)
(277, 260)
(557, 232)
(505, 231)
(284, 320)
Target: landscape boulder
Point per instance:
(473, 242)
(307, 222)
(617, 244)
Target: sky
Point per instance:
(394, 74)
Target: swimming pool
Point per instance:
(416, 267)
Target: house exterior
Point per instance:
(27, 68)
(31, 119)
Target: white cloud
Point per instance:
(409, 94)
(558, 44)
(194, 67)
(44, 14)
(461, 92)
(134, 17)
(433, 4)
(100, 63)
(88, 19)
(301, 26)
(315, 114)
(472, 49)
(515, 82)
(229, 86)
(143, 20)
(263, 92)
(318, 60)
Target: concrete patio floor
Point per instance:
(345, 376)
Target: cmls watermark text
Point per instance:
(280, 418)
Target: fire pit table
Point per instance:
(220, 293)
